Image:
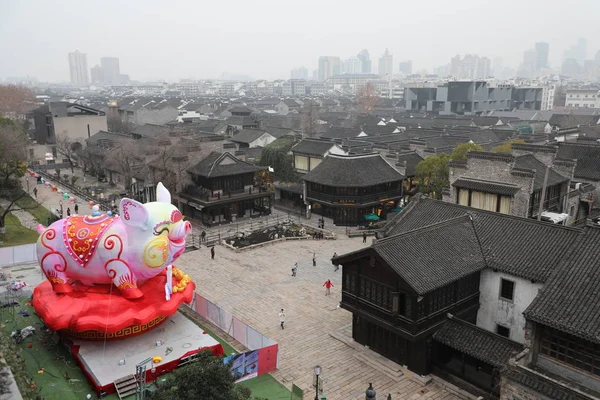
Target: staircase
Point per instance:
(126, 386)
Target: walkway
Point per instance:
(25, 218)
(255, 284)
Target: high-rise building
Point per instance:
(110, 70)
(365, 61)
(541, 49)
(97, 75)
(498, 68)
(455, 65)
(352, 66)
(405, 67)
(386, 65)
(527, 69)
(577, 52)
(329, 66)
(299, 73)
(78, 68)
(483, 68)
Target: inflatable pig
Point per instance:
(124, 250)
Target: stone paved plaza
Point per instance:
(255, 284)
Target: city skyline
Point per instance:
(151, 56)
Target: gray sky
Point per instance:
(265, 39)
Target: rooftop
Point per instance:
(313, 147)
(353, 171)
(222, 164)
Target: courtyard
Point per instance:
(255, 284)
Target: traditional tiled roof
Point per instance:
(479, 343)
(247, 135)
(212, 166)
(529, 162)
(486, 186)
(353, 171)
(588, 159)
(572, 120)
(434, 256)
(522, 247)
(412, 159)
(313, 147)
(569, 301)
(150, 130)
(551, 389)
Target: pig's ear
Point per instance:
(162, 193)
(133, 213)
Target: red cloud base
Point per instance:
(94, 313)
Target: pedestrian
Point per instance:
(76, 209)
(35, 192)
(364, 237)
(203, 237)
(314, 259)
(337, 266)
(212, 253)
(68, 211)
(294, 269)
(328, 285)
(322, 223)
(282, 318)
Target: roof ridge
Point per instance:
(424, 228)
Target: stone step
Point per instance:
(393, 374)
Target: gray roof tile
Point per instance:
(486, 186)
(588, 159)
(479, 343)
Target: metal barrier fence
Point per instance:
(244, 334)
(24, 254)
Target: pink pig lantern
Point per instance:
(97, 262)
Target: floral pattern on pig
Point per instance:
(125, 251)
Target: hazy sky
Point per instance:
(265, 39)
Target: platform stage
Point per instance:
(101, 364)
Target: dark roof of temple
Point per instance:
(588, 158)
(528, 161)
(569, 300)
(432, 257)
(550, 388)
(222, 164)
(486, 186)
(479, 343)
(522, 247)
(313, 147)
(353, 171)
(247, 135)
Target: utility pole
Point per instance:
(543, 196)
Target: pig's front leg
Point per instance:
(118, 269)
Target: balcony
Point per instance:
(349, 200)
(209, 197)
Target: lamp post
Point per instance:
(317, 373)
(370, 393)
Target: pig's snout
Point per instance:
(182, 230)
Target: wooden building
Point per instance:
(348, 187)
(224, 190)
(466, 294)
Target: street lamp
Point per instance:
(370, 393)
(317, 373)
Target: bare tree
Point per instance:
(13, 156)
(169, 165)
(367, 98)
(123, 159)
(90, 159)
(15, 100)
(68, 149)
(310, 121)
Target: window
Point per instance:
(507, 289)
(502, 330)
(571, 350)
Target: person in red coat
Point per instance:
(328, 285)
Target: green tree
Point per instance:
(506, 147)
(276, 156)
(460, 152)
(432, 175)
(206, 378)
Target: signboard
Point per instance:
(251, 364)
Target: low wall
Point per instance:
(25, 254)
(253, 246)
